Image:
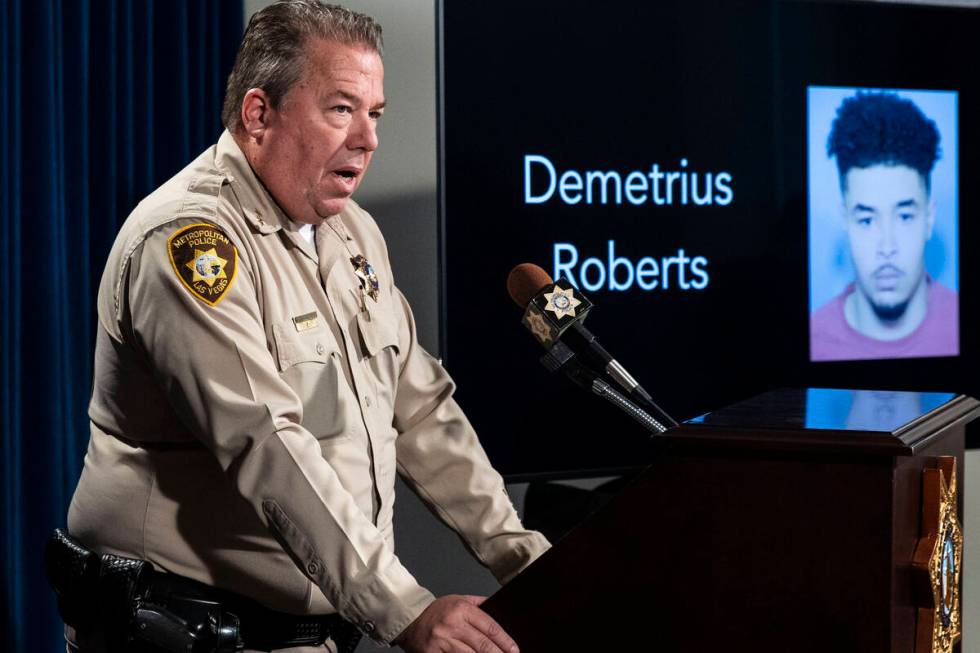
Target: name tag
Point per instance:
(306, 321)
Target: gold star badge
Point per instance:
(207, 266)
(365, 273)
(561, 302)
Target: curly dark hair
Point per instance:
(876, 127)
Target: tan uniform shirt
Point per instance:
(252, 444)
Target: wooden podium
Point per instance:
(799, 520)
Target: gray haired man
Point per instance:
(258, 382)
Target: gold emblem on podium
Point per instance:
(938, 560)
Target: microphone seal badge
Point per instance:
(553, 309)
(539, 326)
(561, 302)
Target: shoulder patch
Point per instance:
(204, 259)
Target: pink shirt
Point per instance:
(832, 338)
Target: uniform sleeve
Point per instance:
(216, 368)
(441, 459)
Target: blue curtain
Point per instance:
(102, 100)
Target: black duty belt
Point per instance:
(133, 607)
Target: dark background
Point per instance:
(102, 101)
(722, 84)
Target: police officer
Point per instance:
(258, 381)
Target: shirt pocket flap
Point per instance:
(377, 332)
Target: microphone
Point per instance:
(551, 308)
(556, 311)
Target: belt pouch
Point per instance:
(95, 592)
(72, 572)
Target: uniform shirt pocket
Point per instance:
(309, 362)
(380, 352)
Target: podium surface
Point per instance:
(787, 522)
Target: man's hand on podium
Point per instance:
(456, 624)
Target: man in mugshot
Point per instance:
(886, 149)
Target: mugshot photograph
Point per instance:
(883, 268)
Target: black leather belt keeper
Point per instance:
(135, 608)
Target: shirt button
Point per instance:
(368, 627)
(320, 348)
(313, 568)
(367, 401)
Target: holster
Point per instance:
(111, 595)
(136, 609)
(91, 587)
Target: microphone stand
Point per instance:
(561, 357)
(598, 355)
